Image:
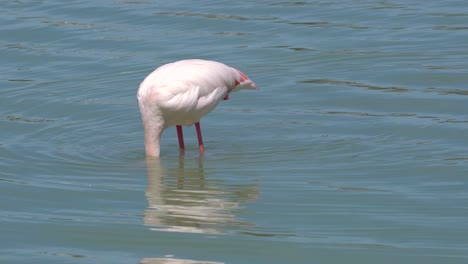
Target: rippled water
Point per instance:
(353, 150)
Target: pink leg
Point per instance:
(200, 139)
(180, 135)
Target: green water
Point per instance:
(353, 150)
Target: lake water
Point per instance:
(354, 149)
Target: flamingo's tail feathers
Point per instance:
(244, 82)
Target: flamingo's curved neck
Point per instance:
(152, 141)
(153, 125)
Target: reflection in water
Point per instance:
(182, 200)
(174, 261)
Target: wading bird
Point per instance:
(181, 93)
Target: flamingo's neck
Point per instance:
(152, 141)
(153, 126)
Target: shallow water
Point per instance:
(353, 150)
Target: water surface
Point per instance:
(353, 150)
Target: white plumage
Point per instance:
(182, 92)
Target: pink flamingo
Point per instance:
(180, 93)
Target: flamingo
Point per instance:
(181, 93)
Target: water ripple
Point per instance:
(210, 16)
(355, 84)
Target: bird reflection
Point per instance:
(174, 261)
(181, 199)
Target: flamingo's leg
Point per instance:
(180, 135)
(200, 139)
